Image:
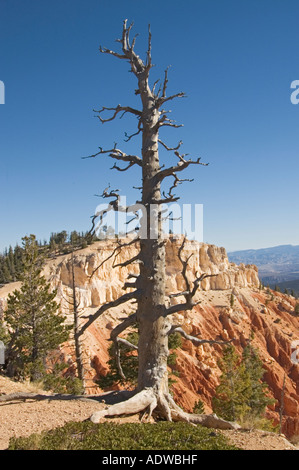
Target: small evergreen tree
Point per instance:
(227, 401)
(254, 394)
(199, 407)
(241, 394)
(123, 357)
(33, 321)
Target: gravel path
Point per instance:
(25, 418)
(22, 418)
(258, 440)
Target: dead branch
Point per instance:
(115, 167)
(182, 165)
(118, 154)
(114, 336)
(209, 421)
(137, 403)
(190, 291)
(127, 343)
(114, 303)
(129, 137)
(137, 65)
(116, 110)
(126, 323)
(189, 305)
(12, 397)
(165, 121)
(170, 148)
(127, 263)
(170, 197)
(160, 100)
(22, 397)
(115, 252)
(193, 339)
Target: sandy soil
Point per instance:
(258, 440)
(22, 418)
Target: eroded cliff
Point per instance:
(270, 316)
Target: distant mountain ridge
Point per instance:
(275, 264)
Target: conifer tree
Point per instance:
(126, 373)
(241, 394)
(228, 402)
(254, 394)
(34, 323)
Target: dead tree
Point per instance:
(74, 305)
(281, 408)
(153, 310)
(77, 335)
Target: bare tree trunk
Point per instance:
(281, 408)
(153, 326)
(77, 333)
(152, 314)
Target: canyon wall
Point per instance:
(270, 317)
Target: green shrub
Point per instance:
(128, 436)
(129, 362)
(241, 394)
(199, 407)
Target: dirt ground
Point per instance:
(22, 418)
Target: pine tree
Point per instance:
(228, 402)
(241, 394)
(254, 394)
(11, 264)
(34, 323)
(123, 362)
(199, 407)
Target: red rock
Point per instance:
(212, 319)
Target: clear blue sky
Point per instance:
(235, 59)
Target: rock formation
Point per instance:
(269, 315)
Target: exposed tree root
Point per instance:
(139, 402)
(12, 397)
(208, 421)
(163, 405)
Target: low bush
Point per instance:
(128, 436)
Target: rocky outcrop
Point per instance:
(270, 317)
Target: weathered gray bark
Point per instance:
(77, 333)
(152, 314)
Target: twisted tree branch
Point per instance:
(118, 154)
(117, 109)
(196, 341)
(190, 291)
(114, 303)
